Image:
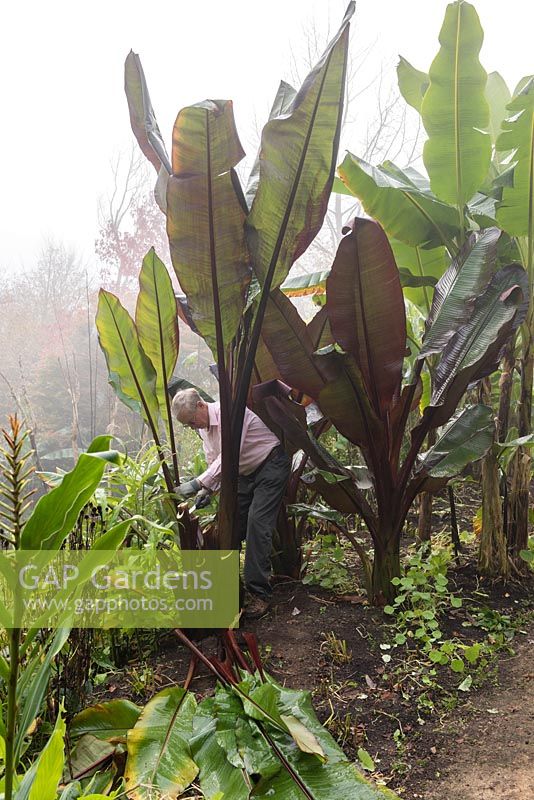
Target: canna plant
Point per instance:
(478, 157)
(231, 249)
(25, 672)
(357, 379)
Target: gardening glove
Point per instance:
(203, 498)
(189, 488)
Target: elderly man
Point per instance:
(263, 473)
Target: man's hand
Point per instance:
(189, 488)
(203, 498)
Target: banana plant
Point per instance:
(25, 673)
(251, 738)
(357, 381)
(231, 251)
(477, 157)
(141, 355)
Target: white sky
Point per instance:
(64, 110)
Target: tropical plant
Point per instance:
(478, 157)
(231, 249)
(357, 380)
(252, 738)
(25, 672)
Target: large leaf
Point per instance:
(466, 439)
(516, 211)
(205, 219)
(145, 126)
(109, 720)
(55, 513)
(455, 293)
(474, 351)
(429, 265)
(365, 307)
(159, 756)
(281, 105)
(157, 327)
(218, 777)
(131, 372)
(498, 97)
(297, 162)
(304, 285)
(290, 344)
(412, 83)
(455, 111)
(401, 201)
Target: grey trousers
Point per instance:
(259, 498)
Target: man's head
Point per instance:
(190, 409)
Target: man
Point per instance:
(263, 473)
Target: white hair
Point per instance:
(184, 404)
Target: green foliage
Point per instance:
(325, 564)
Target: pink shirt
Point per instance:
(257, 441)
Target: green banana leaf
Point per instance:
(145, 126)
(466, 279)
(304, 285)
(42, 779)
(466, 439)
(89, 755)
(297, 162)
(515, 213)
(455, 112)
(365, 307)
(205, 220)
(428, 265)
(474, 351)
(157, 327)
(110, 720)
(281, 105)
(218, 777)
(131, 372)
(159, 755)
(498, 96)
(55, 513)
(402, 202)
(412, 83)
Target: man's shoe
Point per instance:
(256, 607)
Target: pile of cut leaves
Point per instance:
(252, 738)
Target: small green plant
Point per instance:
(325, 565)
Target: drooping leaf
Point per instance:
(307, 284)
(205, 219)
(412, 83)
(109, 720)
(297, 162)
(88, 755)
(457, 290)
(515, 212)
(131, 372)
(466, 439)
(56, 512)
(455, 112)
(157, 327)
(159, 756)
(365, 307)
(285, 96)
(401, 201)
(474, 351)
